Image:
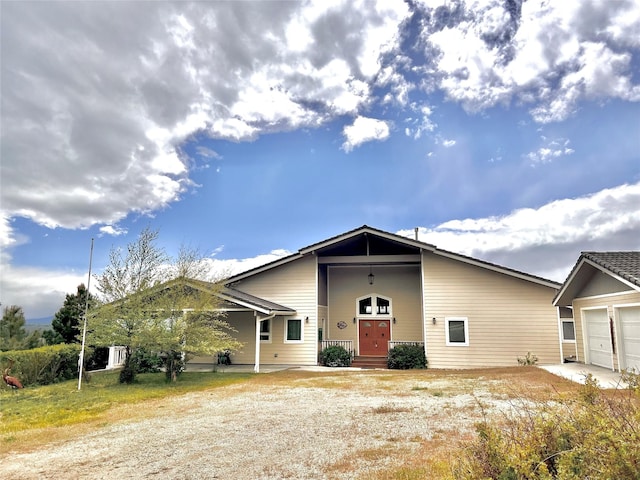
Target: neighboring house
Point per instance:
(604, 291)
(369, 290)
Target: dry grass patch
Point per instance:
(390, 408)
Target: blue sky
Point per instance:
(504, 130)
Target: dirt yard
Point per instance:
(294, 424)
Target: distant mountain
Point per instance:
(42, 322)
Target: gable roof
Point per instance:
(623, 266)
(375, 239)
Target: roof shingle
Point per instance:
(624, 264)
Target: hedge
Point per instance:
(44, 365)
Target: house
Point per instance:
(603, 289)
(369, 290)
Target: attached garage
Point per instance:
(603, 290)
(598, 337)
(629, 321)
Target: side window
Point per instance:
(568, 331)
(265, 331)
(457, 331)
(383, 306)
(364, 306)
(293, 330)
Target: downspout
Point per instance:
(256, 366)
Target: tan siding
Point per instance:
(294, 286)
(507, 317)
(605, 301)
(244, 324)
(399, 283)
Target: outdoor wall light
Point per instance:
(371, 276)
(394, 320)
(354, 320)
(433, 320)
(306, 320)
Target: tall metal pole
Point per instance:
(84, 328)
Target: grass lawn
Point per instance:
(25, 415)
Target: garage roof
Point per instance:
(624, 266)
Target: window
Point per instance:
(374, 305)
(294, 330)
(457, 330)
(383, 306)
(265, 331)
(568, 331)
(364, 307)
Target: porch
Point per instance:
(365, 361)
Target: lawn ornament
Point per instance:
(12, 382)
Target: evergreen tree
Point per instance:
(67, 323)
(12, 331)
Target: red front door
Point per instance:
(374, 335)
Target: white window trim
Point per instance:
(268, 340)
(565, 340)
(374, 303)
(286, 330)
(466, 331)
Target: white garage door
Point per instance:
(630, 337)
(598, 337)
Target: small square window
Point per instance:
(265, 331)
(568, 331)
(294, 330)
(457, 331)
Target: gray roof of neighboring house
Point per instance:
(624, 265)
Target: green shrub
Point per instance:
(405, 357)
(335, 356)
(591, 435)
(44, 365)
(146, 361)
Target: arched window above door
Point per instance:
(373, 305)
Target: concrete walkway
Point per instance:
(577, 372)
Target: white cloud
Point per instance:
(448, 143)
(364, 130)
(547, 240)
(551, 150)
(549, 54)
(113, 92)
(418, 126)
(221, 268)
(113, 230)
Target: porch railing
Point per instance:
(117, 356)
(346, 344)
(395, 343)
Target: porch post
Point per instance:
(256, 367)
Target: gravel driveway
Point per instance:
(310, 427)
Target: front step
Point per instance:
(369, 362)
